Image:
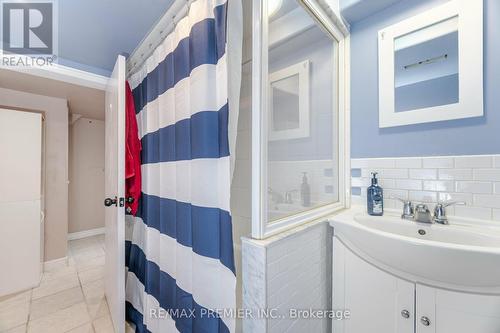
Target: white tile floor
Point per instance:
(70, 297)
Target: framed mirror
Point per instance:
(289, 102)
(431, 66)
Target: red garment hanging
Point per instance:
(132, 155)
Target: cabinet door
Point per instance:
(455, 312)
(375, 298)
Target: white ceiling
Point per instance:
(92, 33)
(88, 102)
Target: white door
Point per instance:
(378, 301)
(115, 191)
(443, 311)
(20, 200)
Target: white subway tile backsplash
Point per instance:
(393, 194)
(423, 196)
(438, 162)
(408, 163)
(474, 187)
(472, 179)
(487, 200)
(466, 162)
(496, 161)
(465, 197)
(393, 173)
(392, 204)
(455, 174)
(423, 173)
(473, 212)
(487, 174)
(388, 183)
(409, 184)
(439, 185)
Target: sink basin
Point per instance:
(464, 253)
(453, 234)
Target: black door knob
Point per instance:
(110, 202)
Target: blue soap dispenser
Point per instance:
(375, 197)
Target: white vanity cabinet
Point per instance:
(380, 302)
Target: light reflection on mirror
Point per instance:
(426, 72)
(301, 117)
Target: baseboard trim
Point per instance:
(86, 233)
(51, 264)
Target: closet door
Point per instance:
(20, 200)
(115, 192)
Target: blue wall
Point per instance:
(471, 136)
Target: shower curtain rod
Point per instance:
(166, 24)
(162, 28)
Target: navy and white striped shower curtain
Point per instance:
(180, 249)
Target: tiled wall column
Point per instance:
(289, 271)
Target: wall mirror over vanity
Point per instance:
(431, 66)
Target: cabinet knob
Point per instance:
(405, 314)
(425, 321)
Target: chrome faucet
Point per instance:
(422, 214)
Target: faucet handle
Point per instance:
(452, 203)
(408, 211)
(440, 210)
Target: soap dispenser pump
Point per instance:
(375, 197)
